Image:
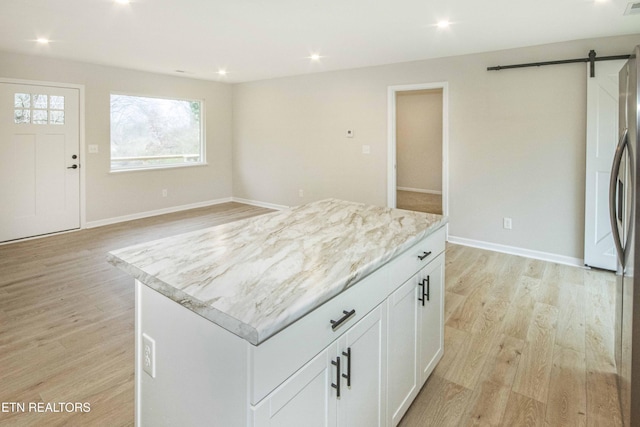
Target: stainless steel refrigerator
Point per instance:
(624, 198)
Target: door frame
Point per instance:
(81, 137)
(392, 144)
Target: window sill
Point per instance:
(156, 168)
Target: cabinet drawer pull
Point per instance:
(424, 255)
(335, 324)
(424, 294)
(348, 374)
(336, 363)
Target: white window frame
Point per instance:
(203, 135)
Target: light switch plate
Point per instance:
(507, 223)
(149, 355)
(93, 148)
(366, 149)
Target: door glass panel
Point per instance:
(56, 102)
(56, 117)
(21, 116)
(39, 101)
(22, 100)
(40, 117)
(38, 109)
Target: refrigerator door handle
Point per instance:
(613, 195)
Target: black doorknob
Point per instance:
(74, 157)
(73, 167)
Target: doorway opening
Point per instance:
(418, 141)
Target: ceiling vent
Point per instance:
(633, 8)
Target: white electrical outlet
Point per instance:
(164, 192)
(301, 193)
(506, 223)
(149, 355)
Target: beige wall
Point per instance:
(516, 139)
(419, 139)
(129, 193)
(516, 142)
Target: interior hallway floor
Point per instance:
(421, 202)
(526, 342)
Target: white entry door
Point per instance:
(602, 137)
(39, 160)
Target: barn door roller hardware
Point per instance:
(591, 59)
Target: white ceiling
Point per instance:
(259, 39)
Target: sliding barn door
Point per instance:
(602, 137)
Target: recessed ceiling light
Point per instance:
(222, 72)
(42, 40)
(444, 23)
(315, 57)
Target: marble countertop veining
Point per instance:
(256, 276)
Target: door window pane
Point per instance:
(56, 117)
(22, 116)
(40, 117)
(56, 102)
(39, 101)
(38, 109)
(22, 100)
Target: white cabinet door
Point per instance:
(385, 359)
(306, 398)
(402, 354)
(362, 352)
(430, 317)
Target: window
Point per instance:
(31, 108)
(155, 132)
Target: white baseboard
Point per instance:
(147, 214)
(259, 204)
(529, 253)
(419, 190)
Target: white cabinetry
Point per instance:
(363, 383)
(403, 350)
(415, 336)
(431, 318)
(351, 367)
(304, 399)
(387, 342)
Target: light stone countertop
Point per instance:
(256, 276)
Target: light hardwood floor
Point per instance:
(526, 342)
(421, 202)
(67, 316)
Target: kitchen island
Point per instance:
(328, 313)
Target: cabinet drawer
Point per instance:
(276, 359)
(410, 262)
